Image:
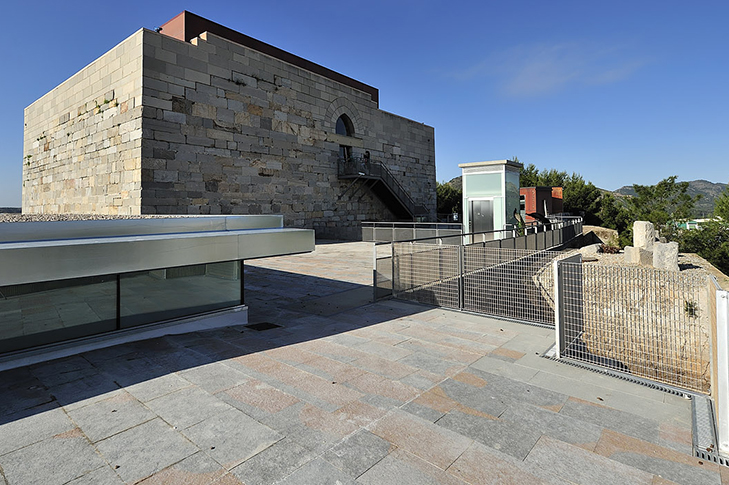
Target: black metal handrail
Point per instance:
(364, 167)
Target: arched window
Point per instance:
(344, 126)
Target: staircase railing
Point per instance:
(371, 169)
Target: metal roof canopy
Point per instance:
(48, 251)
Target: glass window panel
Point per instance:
(153, 296)
(42, 313)
(483, 185)
(512, 197)
(344, 126)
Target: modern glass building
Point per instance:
(61, 281)
(490, 195)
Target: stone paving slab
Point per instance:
(621, 421)
(231, 437)
(551, 457)
(20, 431)
(358, 452)
(187, 407)
(513, 438)
(84, 391)
(144, 450)
(55, 460)
(390, 392)
(110, 416)
(661, 461)
(193, 470)
(435, 444)
(63, 370)
(404, 468)
(101, 476)
(484, 465)
(157, 387)
(318, 472)
(273, 463)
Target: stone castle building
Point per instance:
(200, 119)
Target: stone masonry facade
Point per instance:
(162, 126)
(83, 140)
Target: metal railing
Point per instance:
(535, 237)
(647, 322)
(505, 283)
(360, 167)
(532, 236)
(473, 272)
(405, 231)
(509, 283)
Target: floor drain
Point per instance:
(262, 326)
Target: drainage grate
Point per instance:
(551, 354)
(704, 435)
(704, 431)
(262, 326)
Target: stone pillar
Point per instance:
(644, 235)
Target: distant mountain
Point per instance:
(10, 210)
(456, 183)
(708, 190)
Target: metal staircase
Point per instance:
(376, 176)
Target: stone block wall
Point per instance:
(161, 126)
(228, 130)
(83, 139)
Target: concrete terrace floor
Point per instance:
(344, 392)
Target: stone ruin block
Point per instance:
(644, 235)
(665, 256)
(640, 256)
(590, 250)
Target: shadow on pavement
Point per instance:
(302, 307)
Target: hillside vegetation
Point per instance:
(704, 207)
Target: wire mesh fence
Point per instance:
(651, 323)
(506, 283)
(647, 322)
(509, 283)
(427, 273)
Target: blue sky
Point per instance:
(620, 92)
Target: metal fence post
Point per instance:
(461, 276)
(722, 346)
(559, 328)
(561, 297)
(374, 272)
(392, 266)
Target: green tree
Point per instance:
(721, 205)
(529, 176)
(449, 199)
(579, 197)
(710, 241)
(664, 204)
(613, 214)
(582, 197)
